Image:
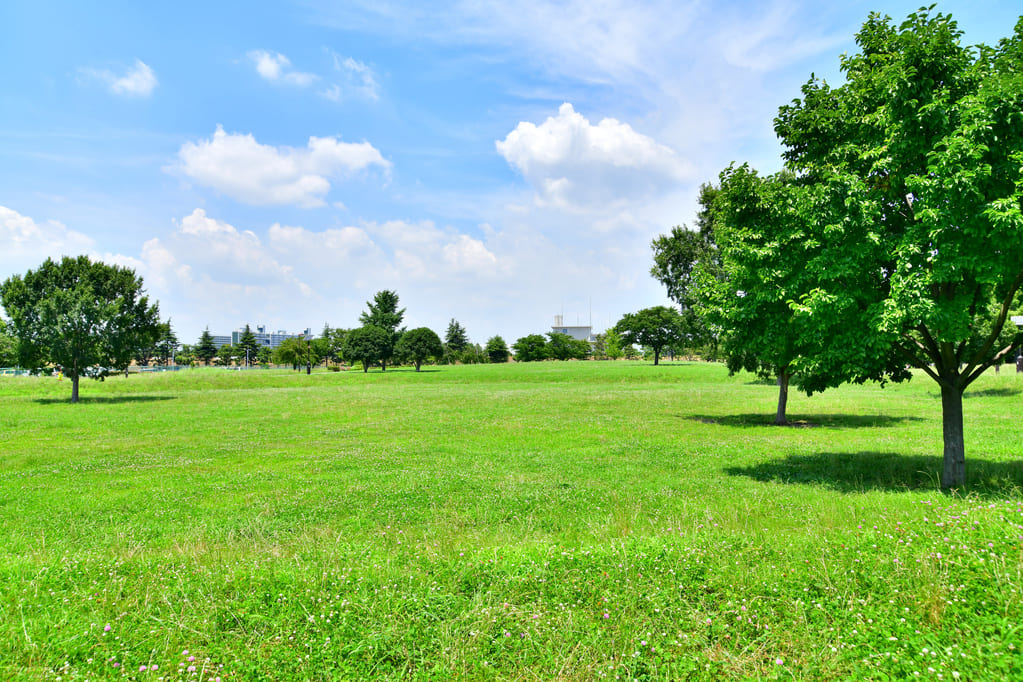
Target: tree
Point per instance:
(167, 343)
(764, 252)
(530, 348)
(206, 349)
(8, 347)
(367, 344)
(226, 355)
(419, 344)
(684, 255)
(914, 167)
(265, 355)
(613, 344)
(78, 315)
(247, 346)
(456, 339)
(383, 313)
(497, 349)
(563, 347)
(655, 328)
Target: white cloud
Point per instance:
(576, 165)
(26, 243)
(254, 173)
(275, 67)
(355, 78)
(139, 81)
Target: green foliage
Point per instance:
(296, 351)
(416, 345)
(613, 344)
(247, 345)
(497, 349)
(79, 315)
(914, 192)
(456, 339)
(227, 355)
(383, 312)
(655, 328)
(206, 349)
(564, 347)
(8, 346)
(167, 344)
(367, 344)
(530, 348)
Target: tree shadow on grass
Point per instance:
(856, 472)
(1002, 392)
(106, 399)
(831, 421)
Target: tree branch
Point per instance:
(915, 360)
(977, 361)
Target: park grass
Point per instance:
(568, 521)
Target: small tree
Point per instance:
(77, 315)
(530, 348)
(367, 344)
(247, 345)
(206, 349)
(613, 344)
(226, 355)
(654, 328)
(497, 349)
(456, 339)
(167, 344)
(419, 344)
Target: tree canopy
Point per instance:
(247, 346)
(416, 345)
(913, 170)
(497, 349)
(530, 348)
(78, 315)
(366, 344)
(206, 349)
(456, 339)
(655, 328)
(383, 312)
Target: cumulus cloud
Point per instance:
(572, 163)
(26, 243)
(276, 68)
(253, 173)
(138, 81)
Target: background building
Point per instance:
(581, 332)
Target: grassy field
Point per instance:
(569, 521)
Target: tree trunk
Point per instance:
(365, 368)
(418, 363)
(657, 356)
(783, 398)
(954, 471)
(74, 389)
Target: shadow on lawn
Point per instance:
(106, 399)
(854, 472)
(831, 421)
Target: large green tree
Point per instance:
(763, 243)
(167, 343)
(383, 312)
(77, 314)
(656, 328)
(367, 344)
(915, 169)
(416, 345)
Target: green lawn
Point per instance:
(570, 521)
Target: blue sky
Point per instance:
(277, 163)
